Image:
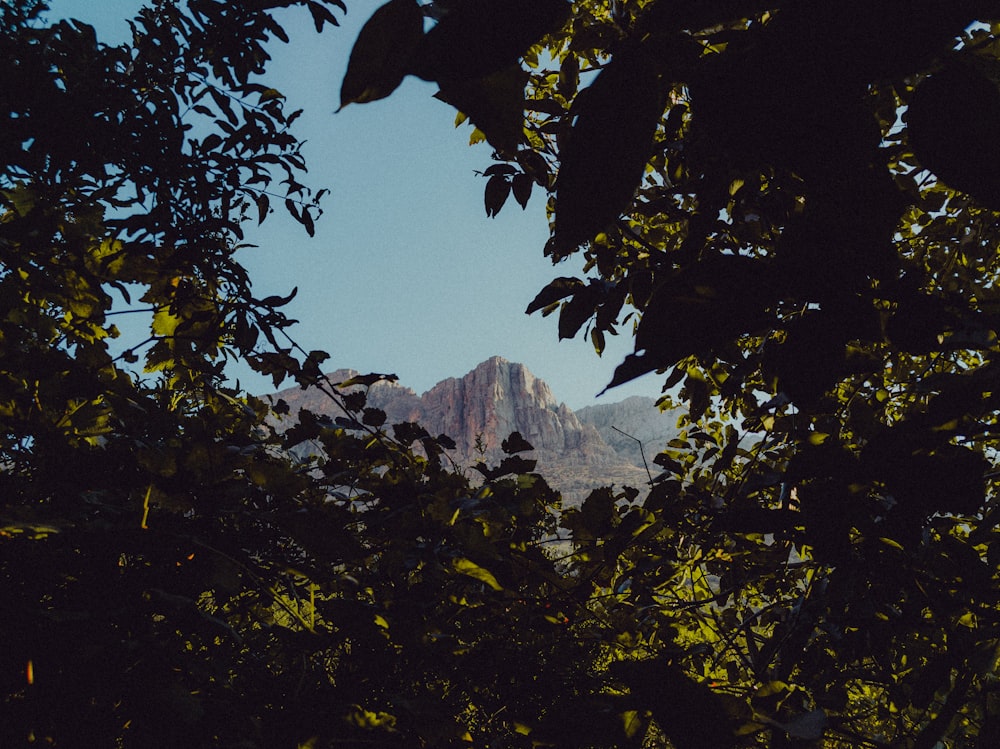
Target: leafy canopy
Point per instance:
(176, 569)
(793, 206)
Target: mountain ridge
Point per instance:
(576, 451)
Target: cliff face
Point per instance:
(627, 424)
(499, 397)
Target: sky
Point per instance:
(406, 273)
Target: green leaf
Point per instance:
(164, 322)
(473, 570)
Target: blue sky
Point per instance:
(406, 273)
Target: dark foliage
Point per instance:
(792, 205)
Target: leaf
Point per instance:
(598, 340)
(558, 289)
(307, 221)
(497, 190)
(515, 443)
(381, 55)
(634, 724)
(689, 713)
(494, 104)
(22, 198)
(211, 142)
(698, 393)
(164, 322)
(445, 442)
(951, 125)
(511, 465)
(473, 570)
(369, 719)
(706, 305)
(607, 150)
(925, 477)
(263, 207)
(367, 379)
(409, 432)
(665, 461)
(224, 104)
(505, 169)
(522, 185)
(595, 517)
(569, 76)
(373, 417)
(275, 300)
(515, 464)
(813, 356)
(574, 313)
(321, 14)
(479, 37)
(633, 366)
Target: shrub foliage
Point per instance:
(792, 206)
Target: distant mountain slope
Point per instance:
(481, 409)
(626, 424)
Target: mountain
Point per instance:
(575, 451)
(635, 428)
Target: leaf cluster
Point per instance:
(767, 192)
(792, 207)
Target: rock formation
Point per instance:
(481, 409)
(631, 423)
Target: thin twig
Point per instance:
(641, 452)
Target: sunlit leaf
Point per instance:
(473, 570)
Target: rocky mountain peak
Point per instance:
(494, 399)
(483, 407)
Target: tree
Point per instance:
(172, 575)
(793, 206)
(817, 563)
(125, 173)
